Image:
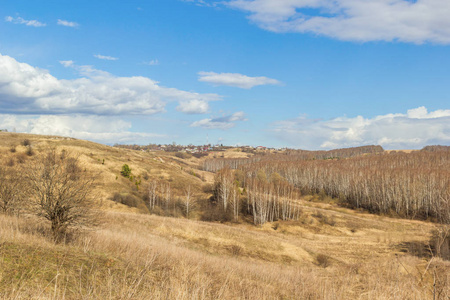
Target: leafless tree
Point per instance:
(60, 191)
(235, 203)
(188, 201)
(411, 185)
(152, 194)
(11, 190)
(224, 186)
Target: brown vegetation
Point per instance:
(414, 185)
(301, 249)
(150, 257)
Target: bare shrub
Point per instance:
(214, 212)
(323, 260)
(11, 190)
(30, 151)
(208, 188)
(127, 199)
(183, 155)
(10, 162)
(235, 250)
(325, 219)
(60, 193)
(440, 242)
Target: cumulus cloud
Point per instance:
(193, 107)
(20, 20)
(95, 128)
(28, 90)
(105, 57)
(225, 122)
(67, 23)
(235, 79)
(412, 130)
(371, 20)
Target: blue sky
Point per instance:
(313, 74)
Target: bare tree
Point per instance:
(152, 194)
(167, 194)
(235, 203)
(411, 185)
(11, 190)
(61, 192)
(189, 200)
(224, 186)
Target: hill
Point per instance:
(106, 163)
(329, 252)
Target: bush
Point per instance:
(213, 212)
(60, 193)
(126, 171)
(26, 142)
(29, 151)
(10, 162)
(208, 188)
(323, 260)
(200, 154)
(440, 242)
(324, 219)
(11, 190)
(183, 155)
(128, 199)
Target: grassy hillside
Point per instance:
(135, 256)
(105, 163)
(329, 253)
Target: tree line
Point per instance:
(413, 185)
(263, 199)
(162, 200)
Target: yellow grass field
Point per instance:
(329, 253)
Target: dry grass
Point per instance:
(106, 162)
(330, 253)
(149, 257)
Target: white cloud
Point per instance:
(235, 79)
(20, 20)
(66, 63)
(370, 20)
(95, 128)
(67, 23)
(202, 3)
(226, 122)
(193, 107)
(28, 90)
(105, 57)
(412, 130)
(153, 62)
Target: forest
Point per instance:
(412, 185)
